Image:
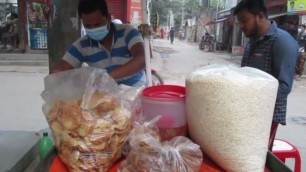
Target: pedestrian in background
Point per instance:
(162, 33)
(6, 24)
(171, 35)
(269, 49)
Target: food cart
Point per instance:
(272, 162)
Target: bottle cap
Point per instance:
(45, 134)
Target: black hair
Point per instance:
(292, 2)
(253, 6)
(89, 6)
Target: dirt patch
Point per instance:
(164, 51)
(299, 120)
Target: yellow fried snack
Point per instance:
(70, 116)
(89, 139)
(56, 127)
(101, 103)
(85, 128)
(53, 113)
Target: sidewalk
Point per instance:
(31, 58)
(28, 50)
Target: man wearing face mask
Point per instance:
(118, 48)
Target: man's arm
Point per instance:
(136, 64)
(73, 58)
(285, 55)
(62, 66)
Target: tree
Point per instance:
(220, 4)
(191, 8)
(163, 7)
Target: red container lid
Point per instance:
(165, 92)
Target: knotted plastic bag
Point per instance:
(147, 153)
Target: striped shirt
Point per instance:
(90, 51)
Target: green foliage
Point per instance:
(177, 21)
(192, 8)
(219, 3)
(162, 7)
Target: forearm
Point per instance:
(133, 66)
(62, 66)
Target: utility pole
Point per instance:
(182, 17)
(171, 18)
(144, 29)
(217, 10)
(149, 12)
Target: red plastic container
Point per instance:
(169, 102)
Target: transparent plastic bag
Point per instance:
(229, 108)
(89, 116)
(147, 154)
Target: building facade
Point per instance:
(34, 18)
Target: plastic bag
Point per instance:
(148, 154)
(89, 119)
(230, 112)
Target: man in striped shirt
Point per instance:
(117, 48)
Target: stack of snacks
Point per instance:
(89, 138)
(89, 115)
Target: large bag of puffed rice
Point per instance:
(229, 112)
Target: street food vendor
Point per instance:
(118, 48)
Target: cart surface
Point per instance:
(52, 164)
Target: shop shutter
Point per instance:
(117, 8)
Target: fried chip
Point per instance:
(70, 116)
(89, 139)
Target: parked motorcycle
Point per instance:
(207, 43)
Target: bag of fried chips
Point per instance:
(146, 153)
(89, 118)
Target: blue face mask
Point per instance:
(97, 34)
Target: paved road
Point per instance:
(20, 103)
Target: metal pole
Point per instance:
(146, 37)
(144, 12)
(217, 9)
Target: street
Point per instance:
(21, 86)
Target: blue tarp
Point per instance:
(217, 21)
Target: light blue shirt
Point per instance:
(88, 50)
